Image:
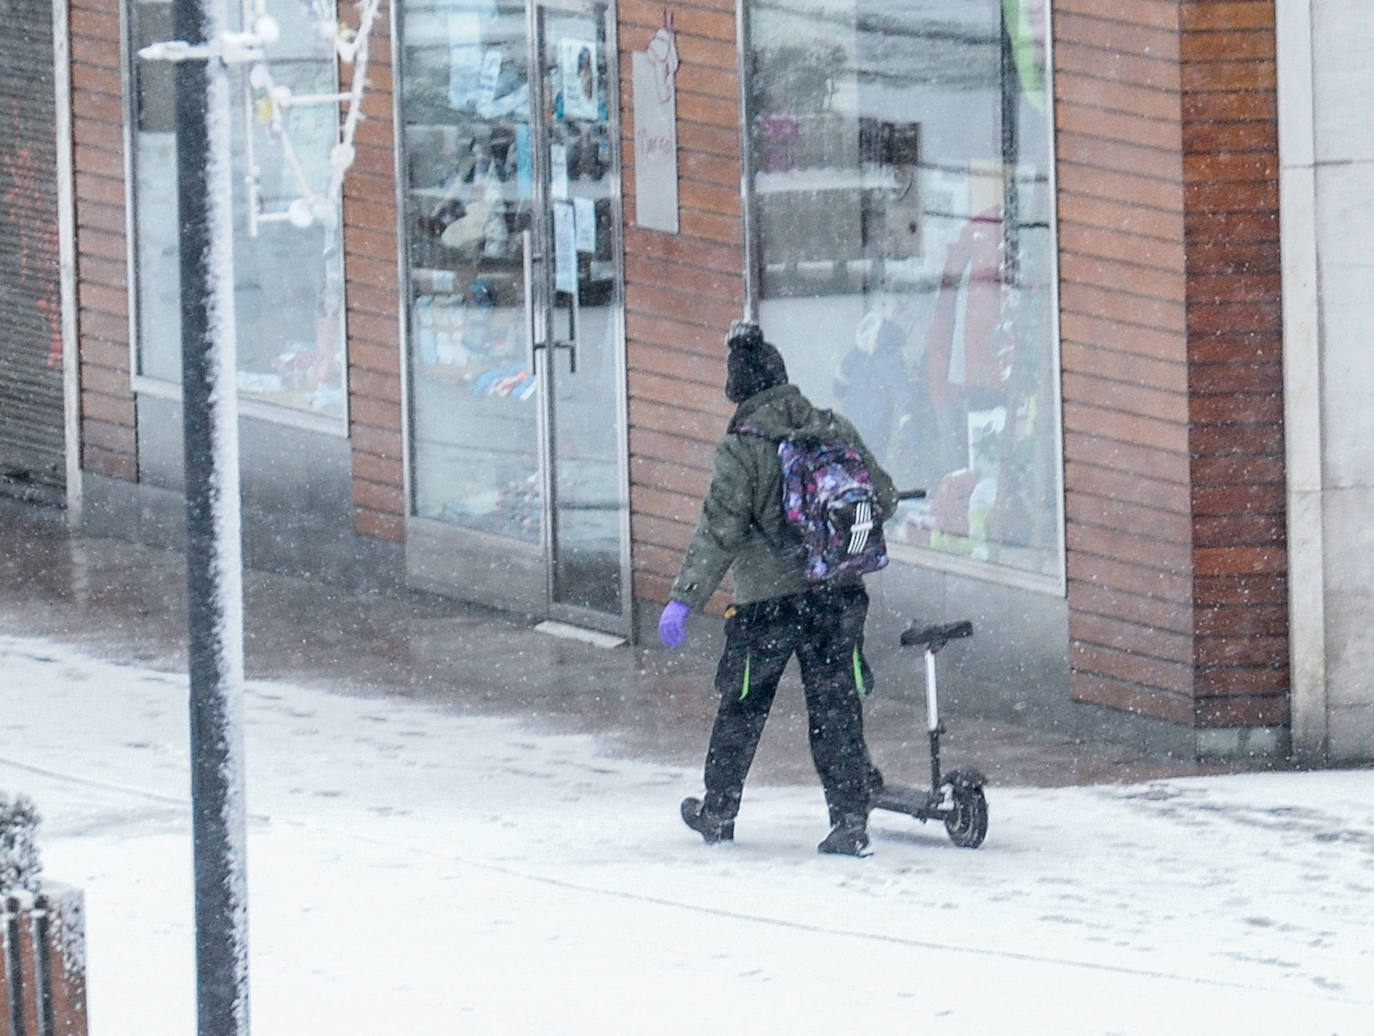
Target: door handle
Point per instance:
(574, 316)
(527, 269)
(532, 323)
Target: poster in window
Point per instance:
(580, 92)
(584, 209)
(564, 247)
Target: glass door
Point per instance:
(518, 491)
(475, 526)
(577, 314)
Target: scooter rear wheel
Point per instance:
(967, 823)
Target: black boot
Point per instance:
(712, 829)
(849, 837)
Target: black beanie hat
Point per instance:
(752, 364)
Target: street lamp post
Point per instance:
(203, 51)
(213, 546)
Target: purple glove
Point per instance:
(670, 629)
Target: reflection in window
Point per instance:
(288, 280)
(468, 180)
(901, 226)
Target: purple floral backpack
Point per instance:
(828, 497)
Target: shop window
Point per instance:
(468, 178)
(900, 218)
(288, 279)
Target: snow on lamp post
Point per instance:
(203, 51)
(213, 546)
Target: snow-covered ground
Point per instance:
(415, 871)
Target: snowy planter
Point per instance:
(42, 937)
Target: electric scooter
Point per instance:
(957, 797)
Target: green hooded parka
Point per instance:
(742, 522)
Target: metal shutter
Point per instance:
(31, 417)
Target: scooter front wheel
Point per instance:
(967, 822)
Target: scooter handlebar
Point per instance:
(937, 636)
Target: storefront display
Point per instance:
(900, 214)
(511, 230)
(288, 278)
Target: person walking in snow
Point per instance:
(776, 611)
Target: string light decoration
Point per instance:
(271, 102)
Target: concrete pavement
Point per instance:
(120, 601)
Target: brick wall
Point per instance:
(107, 402)
(373, 300)
(1168, 224)
(1230, 165)
(681, 290)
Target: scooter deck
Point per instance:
(900, 798)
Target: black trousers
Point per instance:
(824, 629)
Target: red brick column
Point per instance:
(1170, 324)
(682, 290)
(374, 305)
(108, 431)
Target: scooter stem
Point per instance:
(932, 702)
(933, 720)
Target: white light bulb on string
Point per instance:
(348, 44)
(266, 29)
(300, 213)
